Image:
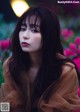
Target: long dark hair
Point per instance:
(50, 69)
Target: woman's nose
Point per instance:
(26, 35)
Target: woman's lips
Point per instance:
(25, 44)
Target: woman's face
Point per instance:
(30, 36)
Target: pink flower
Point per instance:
(73, 53)
(4, 44)
(77, 62)
(67, 33)
(0, 44)
(67, 52)
(78, 51)
(77, 40)
(72, 46)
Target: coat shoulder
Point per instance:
(6, 62)
(67, 67)
(6, 73)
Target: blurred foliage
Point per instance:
(70, 36)
(6, 29)
(72, 27)
(72, 23)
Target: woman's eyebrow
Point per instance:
(23, 24)
(34, 25)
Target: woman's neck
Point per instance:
(35, 59)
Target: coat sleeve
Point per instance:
(65, 98)
(8, 93)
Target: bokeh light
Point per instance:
(19, 6)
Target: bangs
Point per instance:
(32, 19)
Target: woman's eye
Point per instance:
(23, 28)
(34, 30)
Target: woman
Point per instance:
(38, 78)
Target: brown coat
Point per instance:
(64, 99)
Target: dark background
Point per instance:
(64, 10)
